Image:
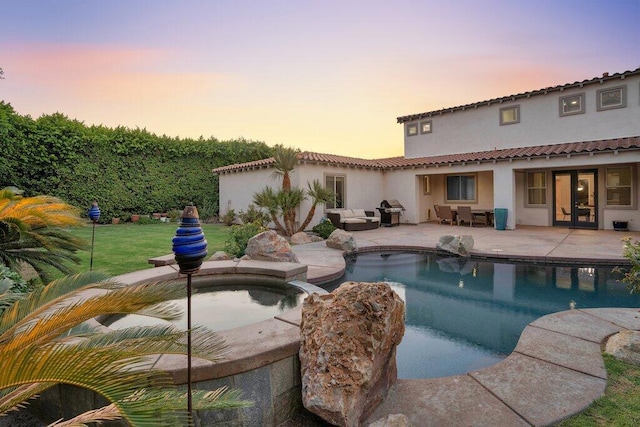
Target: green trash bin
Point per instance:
(500, 218)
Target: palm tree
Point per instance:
(318, 195)
(268, 199)
(39, 349)
(286, 159)
(286, 201)
(33, 232)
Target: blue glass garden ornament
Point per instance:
(190, 249)
(94, 216)
(94, 212)
(189, 244)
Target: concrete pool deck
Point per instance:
(556, 369)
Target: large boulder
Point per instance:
(220, 256)
(300, 238)
(348, 350)
(270, 246)
(458, 245)
(342, 240)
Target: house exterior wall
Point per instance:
(543, 215)
(437, 196)
(478, 128)
(363, 187)
(236, 190)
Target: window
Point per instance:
(619, 186)
(615, 97)
(461, 188)
(412, 129)
(536, 188)
(335, 184)
(425, 127)
(510, 115)
(573, 104)
(426, 184)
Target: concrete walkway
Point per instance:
(556, 369)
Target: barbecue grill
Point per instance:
(390, 211)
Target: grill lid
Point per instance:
(393, 203)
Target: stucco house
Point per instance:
(566, 156)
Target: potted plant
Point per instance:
(135, 218)
(619, 225)
(115, 220)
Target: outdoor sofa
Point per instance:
(353, 219)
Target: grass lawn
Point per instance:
(620, 404)
(124, 248)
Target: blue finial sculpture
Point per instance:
(94, 216)
(189, 244)
(94, 212)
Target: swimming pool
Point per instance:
(465, 314)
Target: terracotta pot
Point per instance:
(135, 218)
(115, 220)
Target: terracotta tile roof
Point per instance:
(605, 77)
(607, 145)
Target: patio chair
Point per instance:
(465, 215)
(446, 214)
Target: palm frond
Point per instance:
(106, 413)
(44, 298)
(115, 374)
(165, 339)
(15, 397)
(48, 322)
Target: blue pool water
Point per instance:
(222, 307)
(465, 314)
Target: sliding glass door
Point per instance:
(575, 198)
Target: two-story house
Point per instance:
(566, 156)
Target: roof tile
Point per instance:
(628, 143)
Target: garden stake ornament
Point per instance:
(190, 249)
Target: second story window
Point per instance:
(425, 127)
(615, 97)
(412, 129)
(572, 104)
(509, 115)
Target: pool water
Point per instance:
(465, 314)
(223, 307)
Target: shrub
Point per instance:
(236, 244)
(631, 251)
(228, 217)
(11, 281)
(324, 228)
(209, 209)
(146, 219)
(254, 215)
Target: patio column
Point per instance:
(504, 192)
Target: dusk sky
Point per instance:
(324, 76)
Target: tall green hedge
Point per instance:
(128, 171)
